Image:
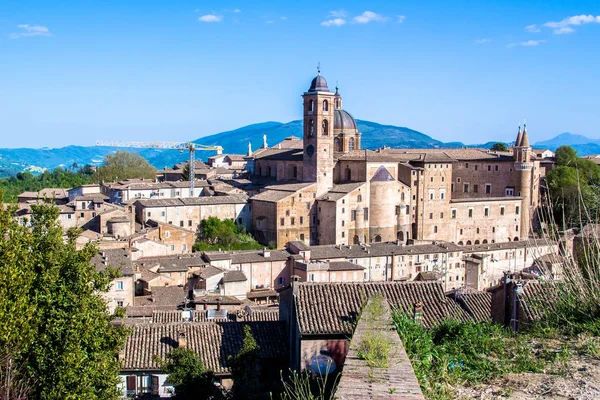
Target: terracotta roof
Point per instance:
(247, 256)
(261, 293)
(217, 299)
(329, 308)
(507, 245)
(427, 276)
(164, 296)
(286, 154)
(192, 201)
(274, 193)
(213, 341)
(378, 249)
(234, 276)
(537, 298)
(477, 304)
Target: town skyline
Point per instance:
(180, 72)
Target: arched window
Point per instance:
(295, 171)
(359, 198)
(325, 127)
(377, 238)
(460, 243)
(351, 144)
(484, 241)
(337, 103)
(348, 174)
(337, 144)
(516, 239)
(268, 171)
(311, 106)
(477, 241)
(435, 229)
(325, 105)
(400, 236)
(356, 239)
(468, 242)
(311, 128)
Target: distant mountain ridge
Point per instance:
(236, 141)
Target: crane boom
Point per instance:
(189, 146)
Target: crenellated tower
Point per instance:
(317, 161)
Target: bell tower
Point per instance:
(524, 168)
(317, 160)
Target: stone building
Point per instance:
(464, 196)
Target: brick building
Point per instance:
(464, 196)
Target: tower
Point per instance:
(317, 160)
(524, 168)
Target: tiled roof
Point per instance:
(247, 256)
(286, 154)
(256, 314)
(214, 342)
(532, 243)
(261, 294)
(174, 263)
(537, 298)
(477, 304)
(234, 276)
(217, 299)
(193, 201)
(274, 193)
(486, 199)
(162, 296)
(427, 276)
(344, 266)
(328, 308)
(378, 249)
(115, 258)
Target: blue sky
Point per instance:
(72, 72)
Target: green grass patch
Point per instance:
(375, 349)
(456, 353)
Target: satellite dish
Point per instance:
(322, 364)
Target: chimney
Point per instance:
(181, 339)
(218, 304)
(266, 253)
(418, 312)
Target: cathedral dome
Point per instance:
(319, 84)
(343, 122)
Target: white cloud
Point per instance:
(529, 43)
(482, 41)
(30, 30)
(368, 16)
(210, 18)
(338, 13)
(564, 26)
(334, 22)
(237, 10)
(269, 22)
(532, 28)
(284, 18)
(401, 19)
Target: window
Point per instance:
(359, 197)
(282, 221)
(442, 195)
(470, 213)
(68, 216)
(453, 213)
(517, 210)
(431, 196)
(311, 106)
(325, 126)
(353, 215)
(295, 171)
(293, 221)
(301, 220)
(189, 222)
(181, 224)
(466, 165)
(184, 247)
(452, 187)
(287, 213)
(351, 144)
(162, 213)
(488, 188)
(509, 191)
(458, 180)
(366, 213)
(325, 105)
(119, 285)
(311, 127)
(430, 215)
(120, 303)
(475, 188)
(432, 179)
(280, 280)
(343, 210)
(311, 277)
(486, 212)
(337, 144)
(441, 215)
(167, 234)
(302, 236)
(476, 167)
(477, 232)
(82, 215)
(466, 188)
(435, 229)
(172, 247)
(496, 168)
(343, 233)
(502, 210)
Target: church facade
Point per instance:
(325, 189)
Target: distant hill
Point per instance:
(582, 144)
(374, 135)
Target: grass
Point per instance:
(375, 349)
(457, 353)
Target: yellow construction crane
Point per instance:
(181, 146)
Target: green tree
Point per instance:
(190, 379)
(245, 368)
(53, 319)
(185, 175)
(566, 156)
(124, 165)
(499, 147)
